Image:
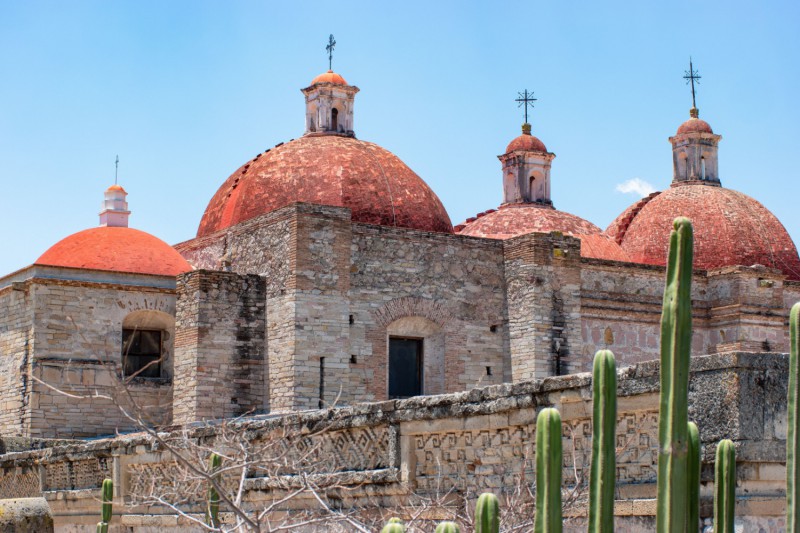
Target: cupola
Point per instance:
(115, 208)
(526, 170)
(329, 105)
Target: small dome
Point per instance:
(695, 125)
(336, 170)
(118, 249)
(512, 220)
(329, 77)
(730, 228)
(526, 142)
(115, 188)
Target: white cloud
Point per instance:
(636, 186)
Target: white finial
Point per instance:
(115, 209)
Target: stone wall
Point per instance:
(400, 452)
(220, 349)
(67, 333)
(16, 351)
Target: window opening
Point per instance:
(405, 367)
(703, 167)
(141, 353)
(335, 119)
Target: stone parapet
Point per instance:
(467, 442)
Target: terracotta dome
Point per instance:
(512, 220)
(695, 125)
(526, 142)
(329, 77)
(730, 228)
(116, 187)
(118, 249)
(334, 170)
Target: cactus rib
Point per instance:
(793, 415)
(487, 514)
(693, 479)
(724, 487)
(604, 425)
(447, 527)
(548, 472)
(212, 510)
(676, 339)
(108, 498)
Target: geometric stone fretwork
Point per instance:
(82, 474)
(16, 483)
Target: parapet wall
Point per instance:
(390, 453)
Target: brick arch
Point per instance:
(377, 335)
(412, 306)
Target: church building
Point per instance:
(326, 271)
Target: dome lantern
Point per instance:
(115, 211)
(526, 170)
(329, 105)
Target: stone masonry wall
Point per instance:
(543, 286)
(78, 337)
(220, 349)
(447, 290)
(16, 350)
(396, 452)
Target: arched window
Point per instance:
(147, 344)
(335, 119)
(531, 188)
(702, 167)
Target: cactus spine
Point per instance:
(676, 342)
(693, 479)
(108, 497)
(724, 487)
(447, 527)
(604, 425)
(487, 514)
(792, 447)
(394, 525)
(212, 512)
(548, 472)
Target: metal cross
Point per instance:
(690, 77)
(329, 48)
(116, 170)
(525, 99)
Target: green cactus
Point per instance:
(792, 446)
(394, 525)
(604, 425)
(212, 510)
(108, 497)
(676, 343)
(447, 527)
(693, 479)
(724, 487)
(548, 472)
(487, 514)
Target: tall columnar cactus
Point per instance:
(676, 341)
(212, 510)
(394, 525)
(693, 479)
(604, 425)
(548, 472)
(792, 445)
(487, 514)
(724, 487)
(447, 527)
(108, 497)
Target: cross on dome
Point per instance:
(691, 76)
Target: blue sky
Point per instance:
(185, 92)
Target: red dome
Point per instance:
(335, 170)
(694, 125)
(329, 77)
(116, 249)
(512, 220)
(730, 228)
(526, 142)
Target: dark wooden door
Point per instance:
(405, 367)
